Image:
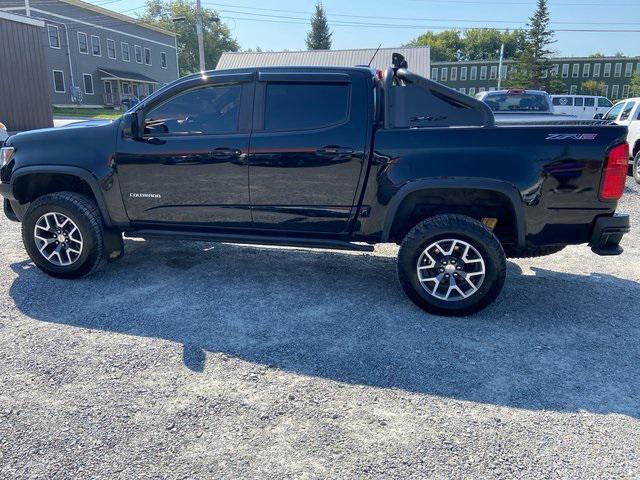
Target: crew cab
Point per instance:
(627, 113)
(321, 157)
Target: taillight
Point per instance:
(615, 173)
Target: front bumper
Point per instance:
(607, 233)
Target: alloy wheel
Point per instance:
(58, 239)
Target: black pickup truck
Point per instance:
(337, 158)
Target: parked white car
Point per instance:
(584, 107)
(520, 106)
(3, 134)
(627, 112)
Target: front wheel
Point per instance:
(63, 235)
(636, 167)
(451, 265)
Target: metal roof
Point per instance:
(418, 58)
(124, 75)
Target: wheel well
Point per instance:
(474, 203)
(31, 186)
(636, 149)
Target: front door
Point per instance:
(307, 151)
(190, 166)
(108, 93)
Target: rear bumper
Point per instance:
(607, 233)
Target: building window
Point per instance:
(83, 45)
(481, 89)
(87, 79)
(483, 72)
(628, 69)
(472, 90)
(454, 73)
(596, 70)
(147, 56)
(138, 53)
(565, 70)
(163, 59)
(615, 89)
(95, 46)
(463, 90)
(54, 36)
(434, 74)
(545, 73)
(554, 70)
(625, 91)
(444, 74)
(111, 48)
(503, 73)
(124, 47)
(474, 74)
(463, 73)
(586, 69)
(607, 70)
(575, 70)
(573, 90)
(58, 81)
(618, 70)
(638, 68)
(150, 88)
(493, 73)
(605, 90)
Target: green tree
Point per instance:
(533, 63)
(592, 87)
(484, 44)
(319, 37)
(217, 37)
(445, 46)
(634, 85)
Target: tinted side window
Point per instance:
(603, 102)
(298, 106)
(563, 101)
(589, 102)
(211, 109)
(613, 112)
(627, 110)
(579, 101)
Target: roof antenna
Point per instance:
(374, 55)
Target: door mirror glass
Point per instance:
(129, 124)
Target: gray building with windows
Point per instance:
(96, 57)
(613, 74)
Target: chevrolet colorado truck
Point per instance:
(321, 157)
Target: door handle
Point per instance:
(225, 152)
(334, 150)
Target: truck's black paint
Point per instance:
(357, 181)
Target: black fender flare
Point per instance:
(81, 173)
(507, 189)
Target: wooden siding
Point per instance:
(24, 80)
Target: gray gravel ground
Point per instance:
(191, 360)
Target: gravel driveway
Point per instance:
(192, 360)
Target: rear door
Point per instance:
(307, 150)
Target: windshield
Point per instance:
(517, 102)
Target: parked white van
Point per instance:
(581, 106)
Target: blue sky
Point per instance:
(282, 24)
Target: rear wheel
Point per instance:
(451, 265)
(63, 235)
(636, 167)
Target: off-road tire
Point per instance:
(467, 230)
(532, 252)
(636, 167)
(85, 214)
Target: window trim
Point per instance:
(628, 69)
(122, 44)
(444, 74)
(586, 70)
(135, 54)
(145, 50)
(483, 72)
(473, 74)
(565, 70)
(64, 86)
(463, 73)
(453, 74)
(84, 84)
(434, 74)
(262, 106)
(493, 72)
(115, 52)
(166, 63)
(57, 35)
(575, 70)
(596, 70)
(617, 72)
(86, 42)
(99, 54)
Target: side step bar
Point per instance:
(252, 239)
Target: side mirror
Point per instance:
(598, 116)
(131, 125)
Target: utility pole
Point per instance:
(200, 34)
(500, 65)
(27, 8)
